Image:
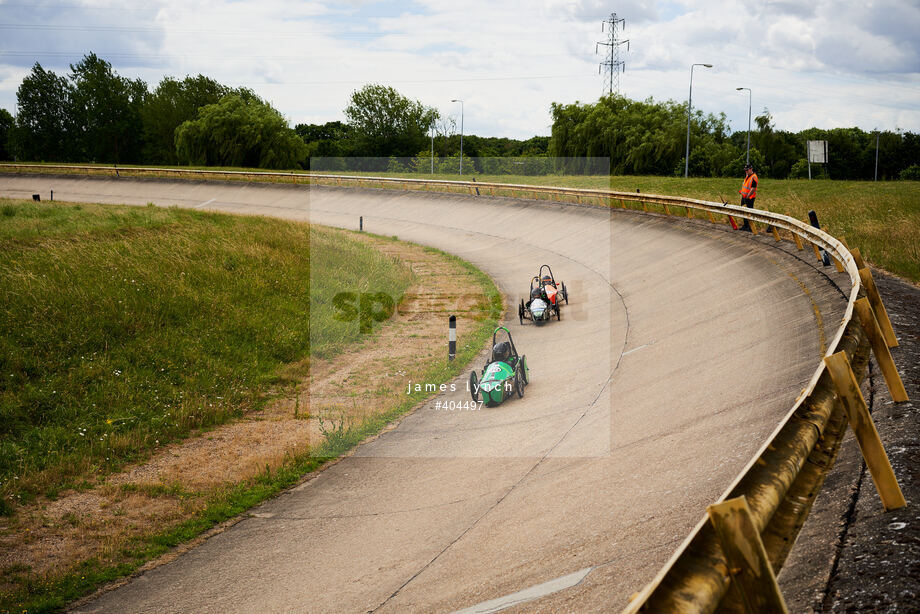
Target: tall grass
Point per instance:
(124, 328)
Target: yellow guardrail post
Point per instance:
(866, 435)
(878, 307)
(857, 258)
(748, 566)
(814, 246)
(880, 348)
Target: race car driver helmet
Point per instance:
(536, 293)
(501, 351)
(547, 280)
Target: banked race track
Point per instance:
(683, 346)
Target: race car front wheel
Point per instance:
(474, 386)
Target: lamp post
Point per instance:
(432, 147)
(747, 158)
(689, 114)
(461, 132)
(876, 155)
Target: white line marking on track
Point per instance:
(639, 348)
(528, 594)
(205, 203)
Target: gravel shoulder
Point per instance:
(852, 556)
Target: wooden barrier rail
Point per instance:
(768, 502)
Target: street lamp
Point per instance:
(461, 132)
(747, 159)
(876, 155)
(689, 112)
(432, 146)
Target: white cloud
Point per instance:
(824, 63)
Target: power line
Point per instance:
(292, 58)
(612, 65)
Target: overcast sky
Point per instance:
(822, 63)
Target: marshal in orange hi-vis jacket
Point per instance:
(749, 187)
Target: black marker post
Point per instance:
(813, 218)
(452, 338)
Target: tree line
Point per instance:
(93, 114)
(649, 138)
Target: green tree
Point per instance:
(386, 123)
(892, 155)
(105, 112)
(6, 130)
(172, 103)
(240, 130)
(328, 143)
(638, 137)
(735, 168)
(799, 169)
(910, 173)
(40, 132)
(778, 148)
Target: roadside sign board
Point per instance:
(817, 152)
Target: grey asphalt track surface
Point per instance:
(683, 347)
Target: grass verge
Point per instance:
(124, 328)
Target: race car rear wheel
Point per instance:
(474, 386)
(558, 313)
(565, 293)
(519, 381)
(523, 365)
(521, 311)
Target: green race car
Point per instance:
(505, 373)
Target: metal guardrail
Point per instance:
(782, 480)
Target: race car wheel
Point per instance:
(523, 363)
(558, 313)
(565, 293)
(521, 311)
(519, 382)
(474, 386)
